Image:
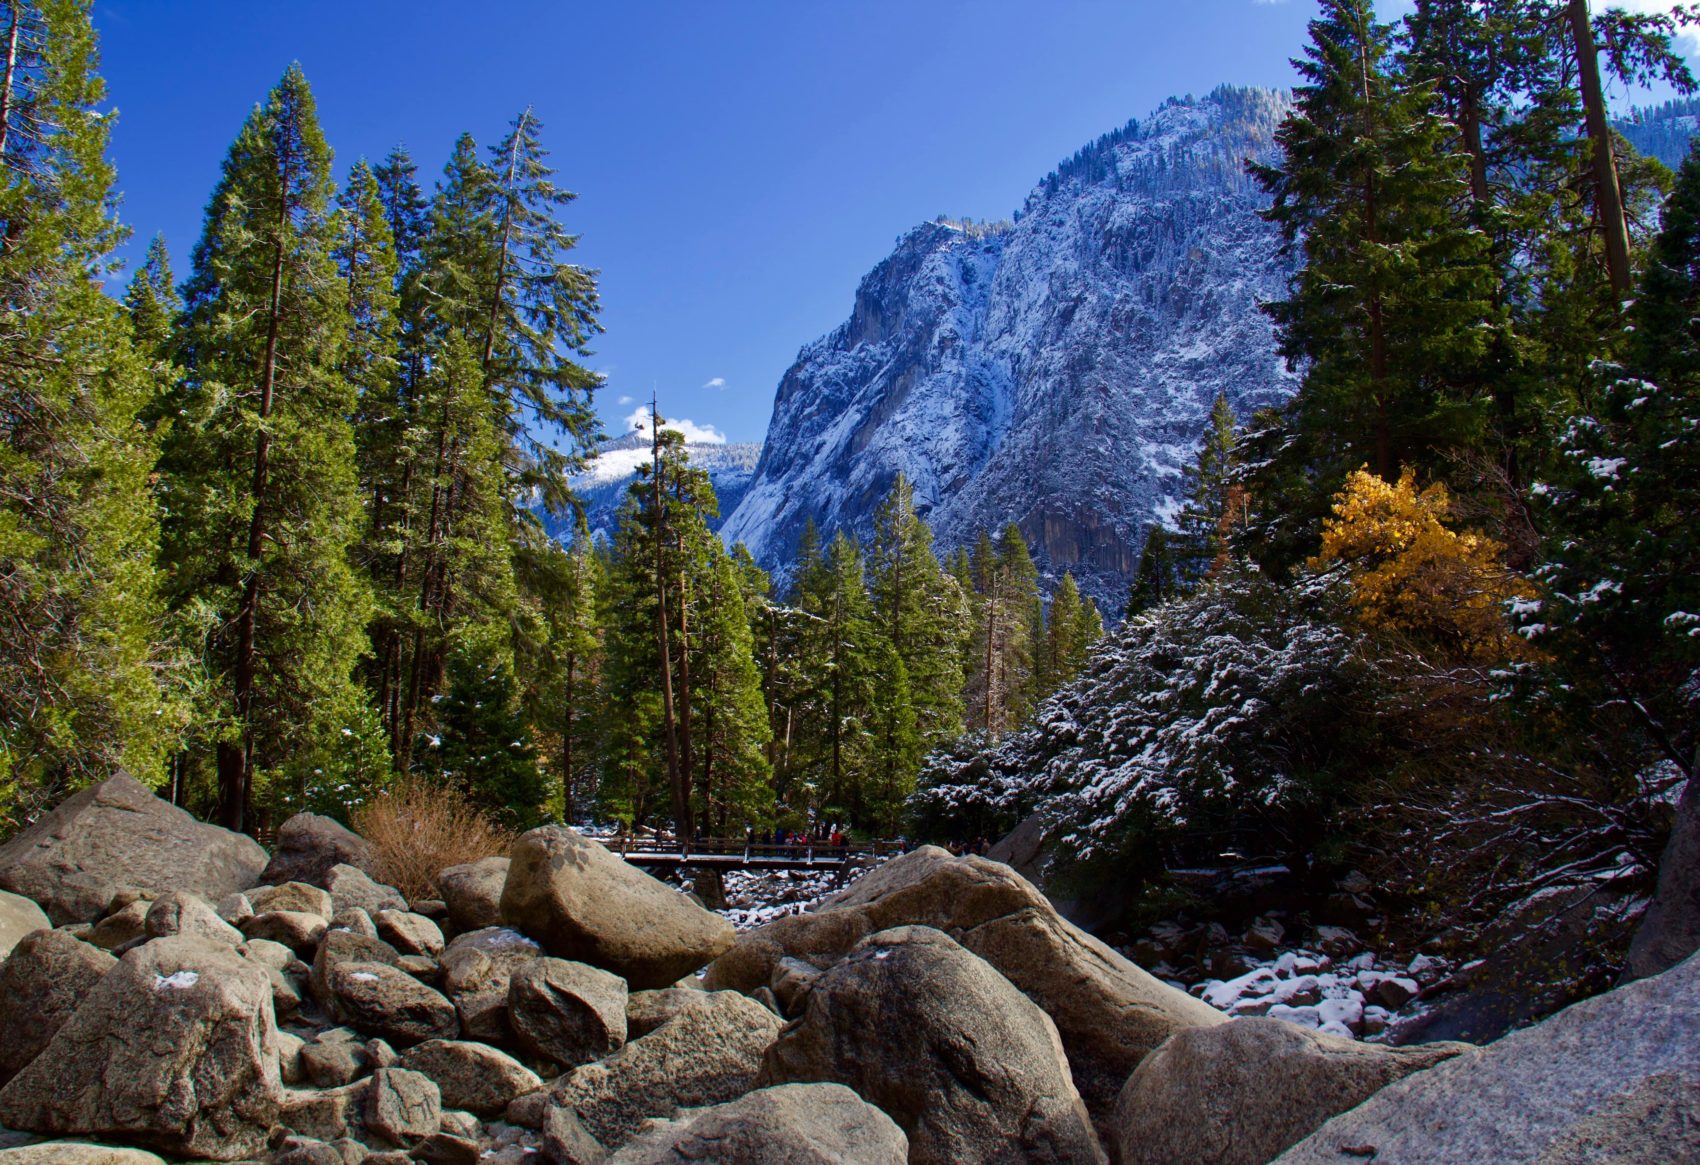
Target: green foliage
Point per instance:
(483, 746)
(83, 653)
(1392, 310)
(258, 490)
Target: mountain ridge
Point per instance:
(1054, 371)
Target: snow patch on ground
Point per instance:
(1354, 998)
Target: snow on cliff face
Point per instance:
(1057, 372)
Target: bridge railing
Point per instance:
(748, 850)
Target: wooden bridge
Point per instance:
(735, 853)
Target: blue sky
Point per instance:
(740, 165)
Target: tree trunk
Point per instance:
(567, 781)
(9, 80)
(669, 721)
(1608, 195)
(502, 257)
(235, 768)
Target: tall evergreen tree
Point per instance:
(153, 302)
(837, 650)
(565, 663)
(732, 729)
(79, 697)
(1009, 630)
(260, 500)
(1389, 313)
(1207, 517)
(919, 609)
(1157, 580)
(482, 745)
(1622, 580)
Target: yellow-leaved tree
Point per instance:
(1412, 574)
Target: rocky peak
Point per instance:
(1055, 371)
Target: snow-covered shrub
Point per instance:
(1237, 711)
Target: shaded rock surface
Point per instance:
(175, 1049)
(1615, 1078)
(705, 1054)
(477, 968)
(310, 846)
(584, 904)
(1670, 931)
(1109, 1013)
(968, 1067)
(42, 984)
(788, 1124)
(472, 1076)
(1239, 1093)
(383, 1000)
(473, 893)
(116, 834)
(567, 1012)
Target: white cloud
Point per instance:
(717, 382)
(695, 434)
(624, 400)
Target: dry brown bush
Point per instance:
(418, 829)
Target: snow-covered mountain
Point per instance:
(1055, 371)
(605, 482)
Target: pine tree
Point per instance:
(1072, 626)
(482, 746)
(918, 609)
(1157, 580)
(540, 313)
(732, 730)
(1207, 517)
(153, 302)
(260, 500)
(565, 663)
(1390, 311)
(1009, 629)
(836, 650)
(79, 697)
(1621, 585)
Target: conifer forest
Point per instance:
(288, 518)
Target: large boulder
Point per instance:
(707, 1054)
(118, 834)
(472, 893)
(1670, 931)
(1239, 1093)
(583, 903)
(351, 888)
(385, 1001)
(18, 917)
(176, 912)
(76, 1153)
(1613, 1079)
(968, 1067)
(1109, 1013)
(175, 1049)
(473, 1077)
(567, 1012)
(310, 846)
(46, 979)
(477, 968)
(788, 1124)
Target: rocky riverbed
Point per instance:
(170, 991)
